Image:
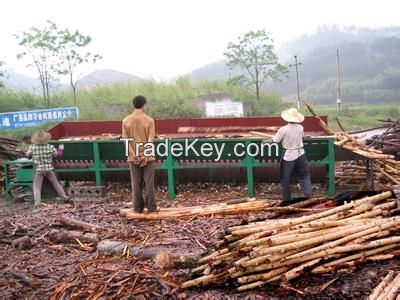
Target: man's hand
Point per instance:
(60, 150)
(143, 161)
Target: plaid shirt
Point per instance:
(42, 156)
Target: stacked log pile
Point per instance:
(103, 136)
(227, 129)
(388, 288)
(280, 250)
(8, 151)
(386, 168)
(388, 142)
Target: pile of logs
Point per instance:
(388, 288)
(386, 168)
(103, 136)
(226, 129)
(357, 172)
(282, 249)
(8, 151)
(388, 142)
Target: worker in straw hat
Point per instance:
(294, 160)
(42, 154)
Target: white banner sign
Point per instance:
(225, 108)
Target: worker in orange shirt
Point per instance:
(141, 128)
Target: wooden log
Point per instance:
(340, 125)
(342, 142)
(262, 134)
(258, 227)
(322, 123)
(297, 271)
(257, 283)
(226, 129)
(390, 289)
(273, 263)
(59, 236)
(214, 209)
(351, 235)
(168, 260)
(380, 287)
(197, 281)
(264, 276)
(280, 239)
(22, 243)
(325, 241)
(391, 294)
(81, 225)
(371, 236)
(332, 265)
(391, 178)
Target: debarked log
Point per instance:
(62, 236)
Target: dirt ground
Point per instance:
(77, 270)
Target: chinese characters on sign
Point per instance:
(22, 119)
(224, 108)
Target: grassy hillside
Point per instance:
(183, 99)
(358, 116)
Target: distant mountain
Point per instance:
(370, 65)
(15, 81)
(214, 71)
(333, 36)
(106, 77)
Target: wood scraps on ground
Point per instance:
(75, 267)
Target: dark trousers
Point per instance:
(298, 167)
(38, 181)
(142, 182)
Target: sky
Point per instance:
(162, 39)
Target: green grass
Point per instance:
(183, 99)
(358, 116)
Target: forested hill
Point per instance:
(370, 65)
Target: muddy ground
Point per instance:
(77, 270)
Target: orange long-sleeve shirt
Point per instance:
(141, 128)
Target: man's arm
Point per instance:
(124, 130)
(152, 132)
(53, 151)
(29, 152)
(278, 136)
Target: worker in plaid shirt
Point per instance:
(42, 155)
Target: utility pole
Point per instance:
(338, 99)
(296, 64)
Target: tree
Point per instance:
(254, 54)
(55, 52)
(70, 48)
(2, 72)
(39, 45)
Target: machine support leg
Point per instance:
(249, 171)
(331, 171)
(7, 182)
(170, 175)
(97, 164)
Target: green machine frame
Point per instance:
(320, 152)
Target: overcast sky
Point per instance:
(164, 38)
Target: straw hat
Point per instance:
(41, 137)
(292, 115)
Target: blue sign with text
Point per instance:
(22, 119)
